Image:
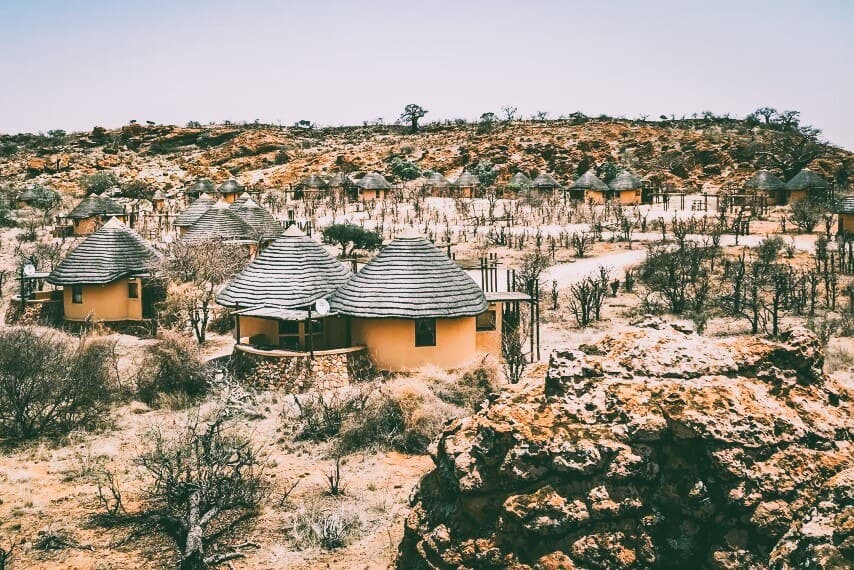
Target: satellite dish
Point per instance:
(321, 306)
(30, 270)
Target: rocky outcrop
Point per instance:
(655, 448)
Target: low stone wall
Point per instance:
(298, 373)
(41, 313)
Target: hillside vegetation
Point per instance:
(702, 154)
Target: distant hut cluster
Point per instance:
(845, 216)
(804, 184)
(92, 212)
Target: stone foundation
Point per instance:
(41, 313)
(146, 328)
(298, 373)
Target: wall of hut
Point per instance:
(108, 302)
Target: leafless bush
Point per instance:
(320, 416)
(586, 297)
(468, 388)
(109, 493)
(171, 372)
(334, 480)
(329, 528)
(205, 477)
(50, 384)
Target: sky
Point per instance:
(74, 64)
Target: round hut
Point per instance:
(273, 295)
(311, 187)
(519, 181)
(240, 200)
(219, 222)
(590, 187)
(373, 186)
(465, 185)
(545, 182)
(627, 188)
(199, 187)
(230, 190)
(262, 222)
(765, 182)
(88, 215)
(411, 306)
(806, 184)
(193, 212)
(104, 278)
(436, 185)
(845, 213)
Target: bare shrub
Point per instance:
(205, 479)
(468, 388)
(328, 528)
(172, 373)
(401, 415)
(50, 384)
(320, 417)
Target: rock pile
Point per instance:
(655, 448)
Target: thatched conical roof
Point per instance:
(220, 222)
(626, 180)
(292, 272)
(93, 205)
(373, 181)
(410, 278)
(112, 252)
(845, 205)
(589, 181)
(201, 186)
(336, 180)
(259, 219)
(314, 182)
(240, 200)
(806, 179)
(519, 179)
(545, 180)
(466, 180)
(230, 186)
(194, 211)
(436, 180)
(764, 180)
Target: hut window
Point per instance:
(486, 321)
(133, 290)
(425, 332)
(288, 327)
(77, 294)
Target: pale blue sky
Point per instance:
(72, 64)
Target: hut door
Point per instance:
(151, 295)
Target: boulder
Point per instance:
(659, 449)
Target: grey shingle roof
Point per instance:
(845, 205)
(466, 180)
(410, 278)
(626, 180)
(112, 252)
(764, 180)
(373, 181)
(519, 179)
(259, 219)
(337, 179)
(230, 186)
(589, 181)
(313, 182)
(194, 211)
(93, 205)
(292, 272)
(219, 222)
(545, 180)
(240, 200)
(806, 179)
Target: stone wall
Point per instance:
(48, 313)
(296, 374)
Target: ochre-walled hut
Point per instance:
(229, 190)
(92, 211)
(311, 186)
(373, 186)
(465, 185)
(626, 188)
(806, 184)
(411, 306)
(199, 187)
(158, 201)
(845, 215)
(766, 183)
(545, 182)
(104, 278)
(589, 187)
(192, 213)
(271, 298)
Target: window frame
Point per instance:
(133, 289)
(77, 294)
(494, 324)
(420, 340)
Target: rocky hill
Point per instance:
(686, 155)
(656, 448)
